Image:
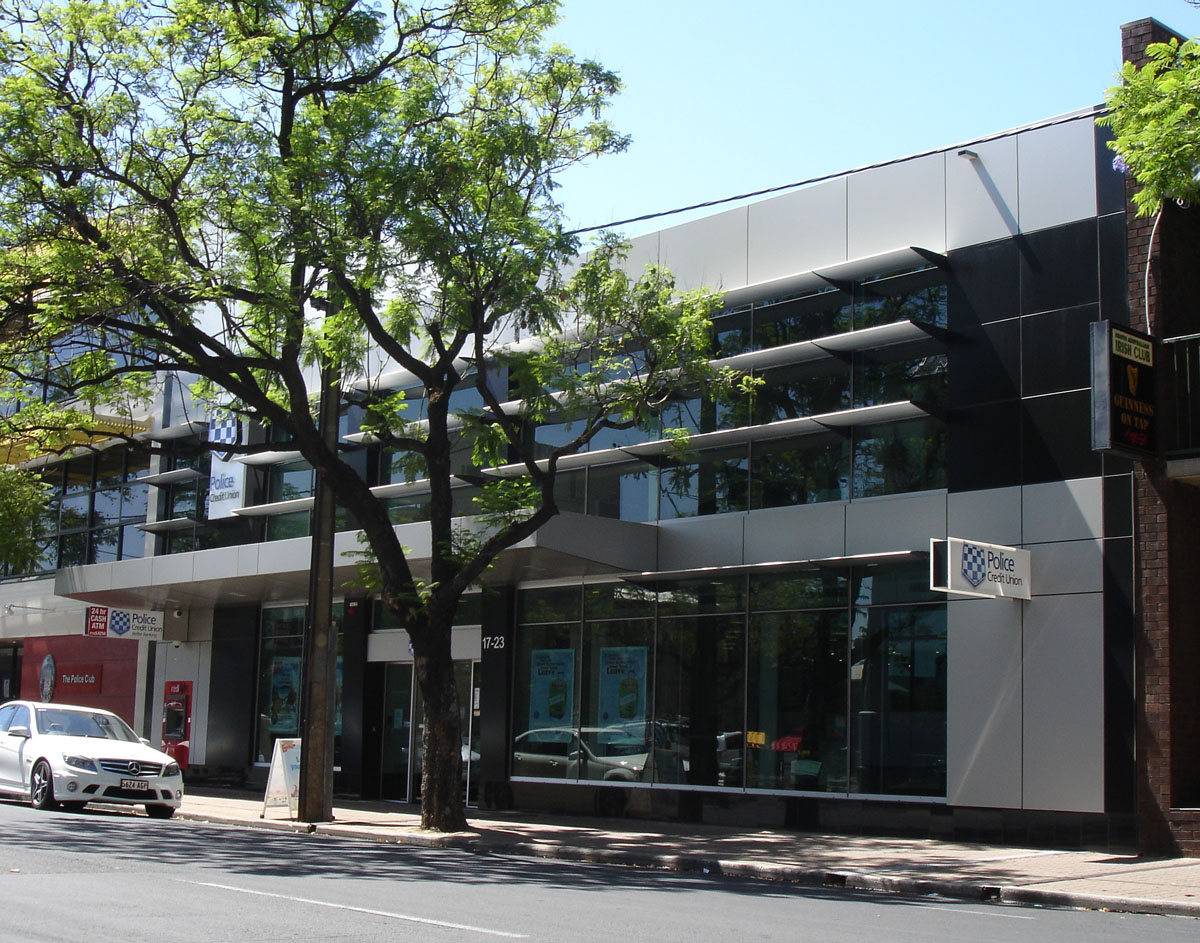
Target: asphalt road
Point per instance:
(101, 876)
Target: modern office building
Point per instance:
(748, 634)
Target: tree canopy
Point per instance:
(1155, 116)
(246, 191)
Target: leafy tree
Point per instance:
(22, 520)
(260, 191)
(1155, 115)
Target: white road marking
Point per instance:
(363, 910)
(981, 913)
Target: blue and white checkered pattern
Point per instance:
(974, 564)
(118, 622)
(223, 429)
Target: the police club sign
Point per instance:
(104, 622)
(972, 568)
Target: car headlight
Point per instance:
(80, 762)
(171, 769)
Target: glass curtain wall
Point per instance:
(280, 674)
(819, 681)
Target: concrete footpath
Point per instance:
(1085, 879)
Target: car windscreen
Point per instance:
(67, 723)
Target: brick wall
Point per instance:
(1167, 521)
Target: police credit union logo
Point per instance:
(974, 563)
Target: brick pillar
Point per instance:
(1167, 520)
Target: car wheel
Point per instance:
(160, 811)
(41, 786)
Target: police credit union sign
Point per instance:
(104, 622)
(972, 568)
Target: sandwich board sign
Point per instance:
(283, 780)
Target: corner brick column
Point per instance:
(1167, 533)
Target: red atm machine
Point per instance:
(177, 721)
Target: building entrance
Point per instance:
(403, 726)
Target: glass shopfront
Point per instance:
(824, 680)
(280, 663)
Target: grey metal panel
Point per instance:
(1056, 174)
(900, 204)
(805, 532)
(992, 516)
(799, 231)
(709, 252)
(175, 568)
(1073, 566)
(1063, 731)
(700, 541)
(214, 564)
(643, 251)
(983, 703)
(1063, 510)
(981, 193)
(899, 522)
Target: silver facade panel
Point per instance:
(1062, 753)
(1073, 566)
(1057, 173)
(806, 532)
(992, 516)
(898, 204)
(1063, 510)
(983, 703)
(807, 224)
(897, 522)
(981, 193)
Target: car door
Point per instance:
(11, 748)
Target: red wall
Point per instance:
(114, 660)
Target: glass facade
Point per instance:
(822, 680)
(280, 674)
(95, 503)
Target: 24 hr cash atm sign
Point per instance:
(104, 622)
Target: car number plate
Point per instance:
(137, 785)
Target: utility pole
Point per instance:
(320, 633)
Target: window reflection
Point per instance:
(819, 680)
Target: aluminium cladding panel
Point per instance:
(981, 193)
(693, 542)
(1056, 168)
(900, 204)
(983, 703)
(801, 230)
(1063, 510)
(800, 532)
(895, 522)
(708, 252)
(989, 516)
(1063, 694)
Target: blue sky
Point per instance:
(725, 97)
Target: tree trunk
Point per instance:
(441, 770)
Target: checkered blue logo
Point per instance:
(118, 622)
(223, 429)
(974, 564)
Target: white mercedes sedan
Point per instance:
(58, 754)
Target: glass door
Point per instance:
(397, 732)
(466, 680)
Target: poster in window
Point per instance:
(551, 687)
(285, 694)
(623, 684)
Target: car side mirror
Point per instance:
(19, 730)
(145, 741)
